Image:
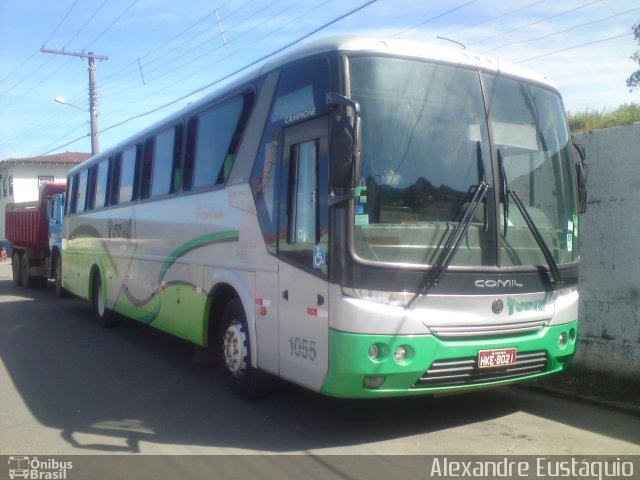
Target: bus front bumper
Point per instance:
(424, 364)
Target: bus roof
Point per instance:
(407, 48)
(345, 44)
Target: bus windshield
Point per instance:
(426, 150)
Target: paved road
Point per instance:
(68, 386)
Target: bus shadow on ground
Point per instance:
(110, 389)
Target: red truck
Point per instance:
(35, 232)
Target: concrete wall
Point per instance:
(609, 335)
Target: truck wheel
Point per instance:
(105, 317)
(15, 269)
(27, 279)
(235, 348)
(60, 292)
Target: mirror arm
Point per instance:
(336, 199)
(334, 99)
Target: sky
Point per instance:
(161, 51)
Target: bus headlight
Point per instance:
(400, 354)
(374, 351)
(394, 299)
(562, 340)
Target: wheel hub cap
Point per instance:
(235, 351)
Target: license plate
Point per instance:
(496, 358)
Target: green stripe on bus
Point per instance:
(209, 239)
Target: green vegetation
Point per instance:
(587, 120)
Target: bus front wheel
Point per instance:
(235, 347)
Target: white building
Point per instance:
(21, 177)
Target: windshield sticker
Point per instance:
(319, 256)
(360, 205)
(569, 242)
(575, 226)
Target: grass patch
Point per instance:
(587, 120)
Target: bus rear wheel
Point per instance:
(105, 317)
(15, 269)
(235, 348)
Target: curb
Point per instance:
(592, 400)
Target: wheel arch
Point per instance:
(226, 286)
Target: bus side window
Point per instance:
(192, 133)
(303, 197)
(300, 96)
(166, 162)
(128, 174)
(68, 195)
(81, 196)
(176, 169)
(91, 188)
(213, 138)
(73, 200)
(114, 178)
(147, 167)
(101, 184)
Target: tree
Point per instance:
(634, 80)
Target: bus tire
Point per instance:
(57, 272)
(27, 279)
(235, 348)
(15, 269)
(106, 318)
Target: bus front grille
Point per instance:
(476, 331)
(465, 371)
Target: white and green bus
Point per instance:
(363, 218)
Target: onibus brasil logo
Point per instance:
(33, 468)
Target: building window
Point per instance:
(10, 185)
(42, 179)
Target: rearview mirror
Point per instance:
(344, 147)
(581, 176)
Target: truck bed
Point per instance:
(26, 225)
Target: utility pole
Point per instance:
(93, 101)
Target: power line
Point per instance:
(574, 47)
(563, 31)
(60, 22)
(85, 24)
(179, 67)
(225, 77)
(93, 106)
(111, 24)
(534, 23)
(506, 14)
(46, 41)
(434, 18)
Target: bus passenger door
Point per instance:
(302, 250)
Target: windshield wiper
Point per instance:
(553, 266)
(483, 178)
(453, 243)
(503, 191)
